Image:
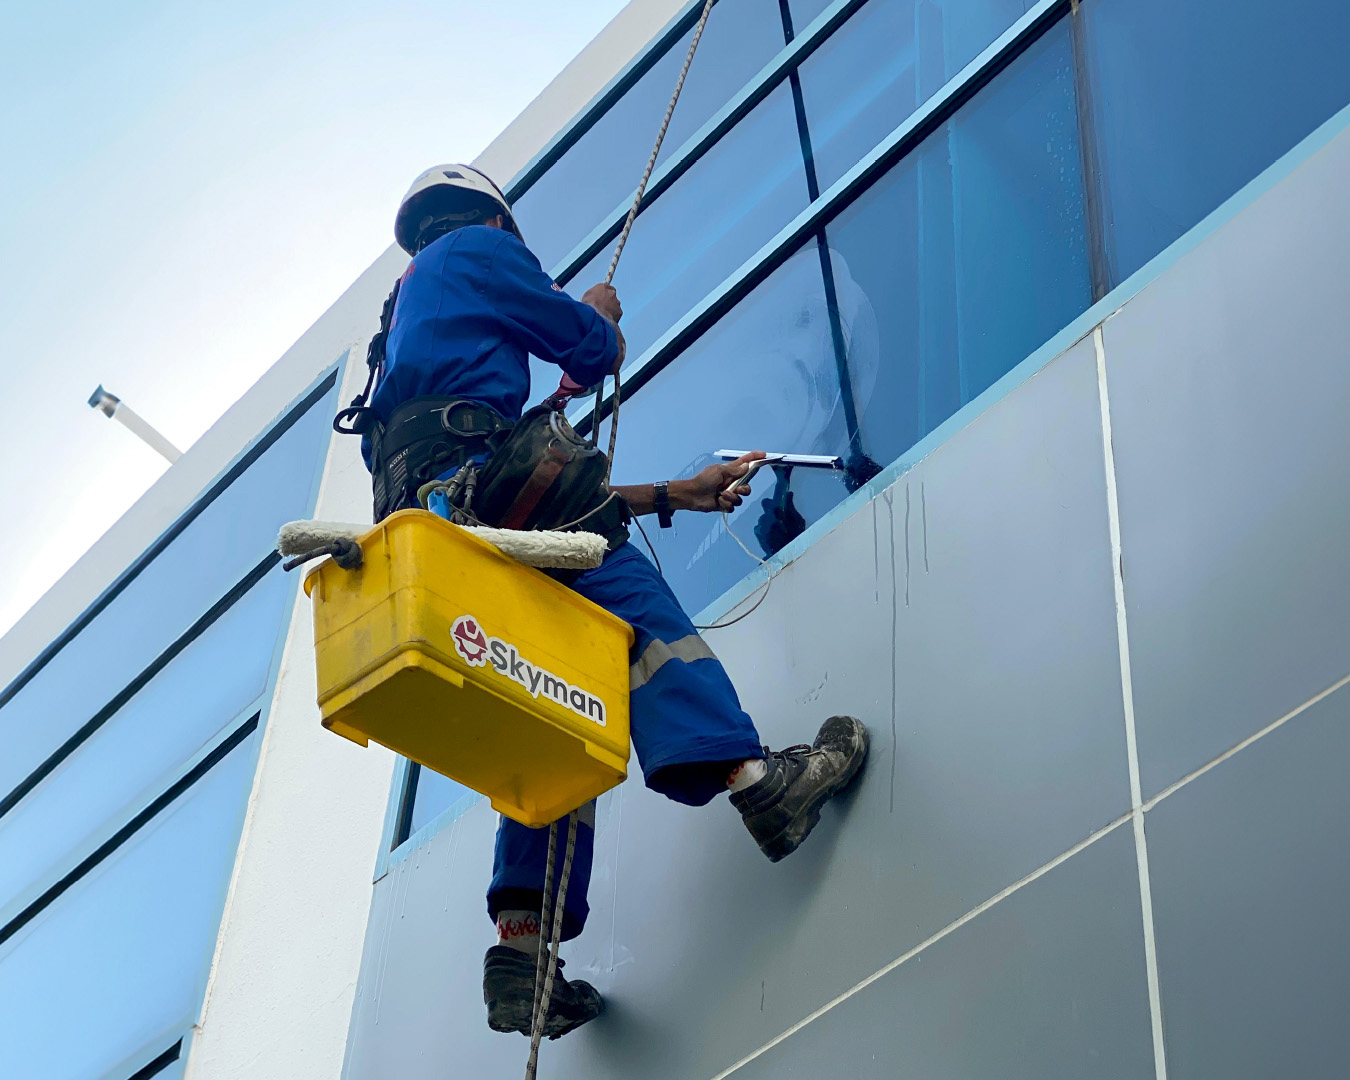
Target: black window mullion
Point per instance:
(403, 827)
(160, 1063)
(859, 468)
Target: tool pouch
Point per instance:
(546, 476)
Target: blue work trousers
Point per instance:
(688, 730)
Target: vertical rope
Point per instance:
(545, 914)
(544, 999)
(551, 915)
(628, 228)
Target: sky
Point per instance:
(186, 187)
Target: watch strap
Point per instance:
(661, 503)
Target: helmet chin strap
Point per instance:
(434, 226)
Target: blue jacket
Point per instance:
(472, 308)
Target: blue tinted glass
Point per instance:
(120, 959)
(971, 253)
(883, 63)
(434, 795)
(962, 260)
(1192, 100)
(603, 168)
(716, 216)
(217, 549)
(128, 761)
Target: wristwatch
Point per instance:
(661, 503)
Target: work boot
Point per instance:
(508, 992)
(781, 809)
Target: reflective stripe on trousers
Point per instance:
(658, 653)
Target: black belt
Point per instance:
(424, 437)
(431, 417)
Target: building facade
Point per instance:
(1059, 283)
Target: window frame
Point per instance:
(930, 116)
(598, 106)
(780, 68)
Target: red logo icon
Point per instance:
(470, 641)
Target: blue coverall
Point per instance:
(472, 307)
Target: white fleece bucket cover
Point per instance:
(549, 550)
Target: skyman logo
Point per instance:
(478, 650)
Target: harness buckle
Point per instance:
(480, 421)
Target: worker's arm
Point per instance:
(707, 491)
(547, 322)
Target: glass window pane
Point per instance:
(603, 168)
(883, 63)
(434, 795)
(763, 377)
(716, 216)
(1193, 100)
(123, 765)
(120, 959)
(213, 553)
(961, 261)
(972, 251)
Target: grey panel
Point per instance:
(419, 1004)
(1049, 984)
(1249, 885)
(983, 608)
(1229, 397)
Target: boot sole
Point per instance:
(786, 840)
(506, 1018)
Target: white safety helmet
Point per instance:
(447, 194)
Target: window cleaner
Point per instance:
(441, 418)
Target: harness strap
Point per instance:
(358, 414)
(532, 491)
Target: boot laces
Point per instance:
(797, 750)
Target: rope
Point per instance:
(551, 913)
(628, 227)
(545, 926)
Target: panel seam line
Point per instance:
(950, 928)
(1127, 698)
(1173, 788)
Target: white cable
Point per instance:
(768, 581)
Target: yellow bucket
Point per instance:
(453, 654)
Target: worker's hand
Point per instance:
(605, 300)
(712, 489)
(623, 352)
